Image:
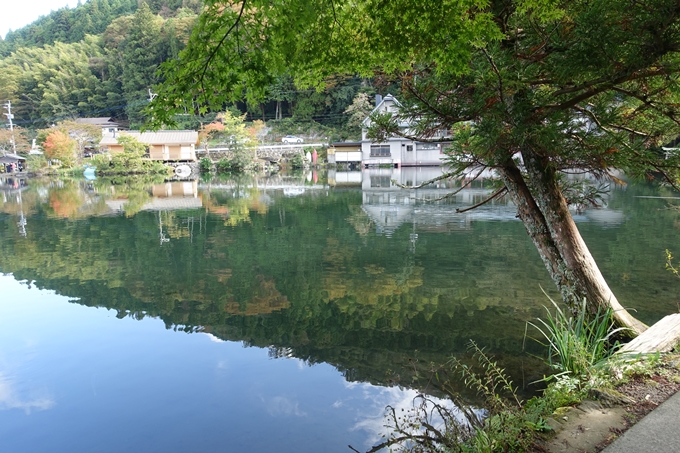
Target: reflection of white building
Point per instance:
(390, 206)
(287, 185)
(398, 151)
(351, 178)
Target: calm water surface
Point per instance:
(273, 314)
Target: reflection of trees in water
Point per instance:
(306, 282)
(69, 199)
(360, 221)
(265, 299)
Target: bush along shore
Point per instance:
(594, 394)
(132, 160)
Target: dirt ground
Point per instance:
(594, 424)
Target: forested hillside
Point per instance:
(100, 59)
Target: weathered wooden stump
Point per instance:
(661, 337)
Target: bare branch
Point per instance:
(607, 84)
(498, 74)
(615, 126)
(428, 182)
(500, 192)
(449, 119)
(457, 191)
(665, 175)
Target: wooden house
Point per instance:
(163, 145)
(105, 123)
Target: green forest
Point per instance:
(101, 59)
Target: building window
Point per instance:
(380, 181)
(427, 146)
(380, 151)
(409, 147)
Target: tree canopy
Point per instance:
(532, 88)
(58, 145)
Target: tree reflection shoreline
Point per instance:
(357, 276)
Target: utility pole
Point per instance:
(9, 116)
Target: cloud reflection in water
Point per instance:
(372, 419)
(10, 399)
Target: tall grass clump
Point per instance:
(578, 345)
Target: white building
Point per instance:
(398, 151)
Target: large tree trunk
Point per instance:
(544, 211)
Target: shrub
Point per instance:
(35, 162)
(243, 157)
(224, 165)
(101, 162)
(297, 161)
(205, 164)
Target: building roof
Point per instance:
(11, 158)
(155, 138)
(103, 121)
(346, 145)
(385, 105)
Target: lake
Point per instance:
(279, 313)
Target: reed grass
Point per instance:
(577, 345)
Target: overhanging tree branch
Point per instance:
(605, 86)
(212, 53)
(500, 192)
(429, 181)
(668, 114)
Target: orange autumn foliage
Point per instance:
(58, 145)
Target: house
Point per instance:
(106, 124)
(398, 151)
(163, 145)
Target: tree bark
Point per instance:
(546, 217)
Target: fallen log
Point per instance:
(663, 336)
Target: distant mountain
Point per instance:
(70, 25)
(102, 57)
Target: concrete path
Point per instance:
(658, 432)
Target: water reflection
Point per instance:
(168, 196)
(389, 207)
(163, 390)
(373, 420)
(341, 269)
(346, 273)
(28, 401)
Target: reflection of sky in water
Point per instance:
(372, 420)
(74, 378)
(13, 398)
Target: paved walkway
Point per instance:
(658, 432)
